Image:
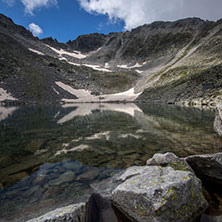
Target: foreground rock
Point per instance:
(207, 167)
(75, 213)
(218, 120)
(154, 193)
(170, 160)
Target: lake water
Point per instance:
(51, 155)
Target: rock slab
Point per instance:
(170, 160)
(71, 213)
(157, 194)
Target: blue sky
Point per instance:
(64, 21)
(67, 19)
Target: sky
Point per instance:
(67, 19)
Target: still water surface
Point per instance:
(51, 155)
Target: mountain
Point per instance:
(171, 62)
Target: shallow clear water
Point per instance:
(50, 155)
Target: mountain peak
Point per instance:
(8, 25)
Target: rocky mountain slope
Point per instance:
(173, 62)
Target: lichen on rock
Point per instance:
(160, 194)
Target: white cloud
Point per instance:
(9, 2)
(35, 29)
(31, 5)
(139, 12)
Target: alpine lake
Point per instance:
(53, 155)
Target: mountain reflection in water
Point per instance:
(101, 138)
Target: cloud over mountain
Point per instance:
(139, 12)
(35, 29)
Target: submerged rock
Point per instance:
(169, 159)
(64, 178)
(218, 120)
(75, 213)
(157, 193)
(207, 167)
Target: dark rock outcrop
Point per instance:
(207, 167)
(8, 26)
(87, 43)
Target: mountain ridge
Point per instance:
(146, 59)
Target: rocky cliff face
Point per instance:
(173, 62)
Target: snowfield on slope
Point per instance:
(4, 95)
(86, 96)
(75, 54)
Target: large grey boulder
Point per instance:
(169, 159)
(157, 194)
(74, 213)
(207, 167)
(218, 120)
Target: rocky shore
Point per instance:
(168, 188)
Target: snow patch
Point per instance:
(36, 51)
(123, 66)
(139, 71)
(4, 95)
(107, 65)
(86, 96)
(55, 90)
(74, 54)
(72, 63)
(80, 93)
(137, 65)
(96, 67)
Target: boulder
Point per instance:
(75, 213)
(207, 167)
(100, 209)
(218, 120)
(169, 159)
(155, 193)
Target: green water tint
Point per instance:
(109, 135)
(50, 155)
